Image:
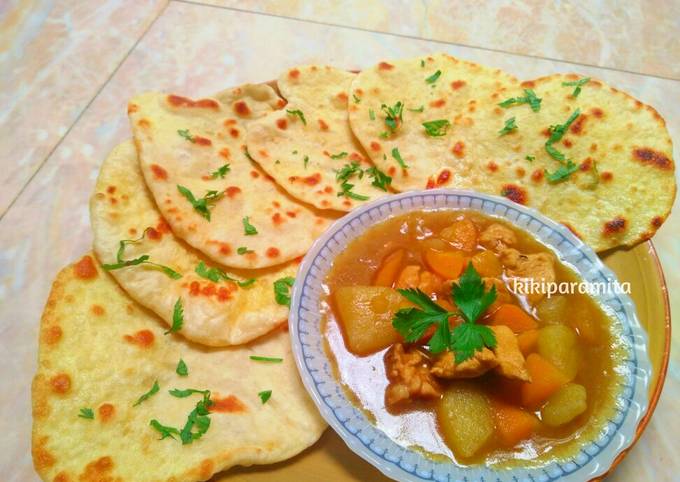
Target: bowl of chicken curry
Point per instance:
(449, 334)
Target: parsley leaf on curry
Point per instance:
(201, 205)
(471, 300)
(577, 84)
(297, 113)
(154, 389)
(436, 128)
(282, 290)
(177, 317)
(143, 259)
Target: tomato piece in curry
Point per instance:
(546, 386)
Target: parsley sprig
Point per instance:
(143, 259)
(152, 391)
(433, 78)
(380, 179)
(86, 413)
(202, 205)
(343, 176)
(216, 275)
(198, 420)
(394, 116)
(248, 229)
(471, 299)
(186, 135)
(297, 113)
(568, 166)
(577, 84)
(177, 317)
(528, 98)
(282, 288)
(398, 158)
(436, 128)
(509, 126)
(221, 172)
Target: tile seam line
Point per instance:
(82, 112)
(426, 39)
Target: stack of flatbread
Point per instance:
(164, 354)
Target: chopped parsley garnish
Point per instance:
(298, 113)
(184, 393)
(202, 205)
(509, 126)
(556, 134)
(248, 229)
(154, 390)
(305, 161)
(577, 84)
(267, 359)
(419, 109)
(88, 413)
(433, 78)
(436, 128)
(265, 395)
(562, 173)
(243, 250)
(339, 156)
(343, 175)
(380, 179)
(464, 340)
(357, 100)
(144, 259)
(177, 317)
(398, 158)
(282, 288)
(530, 158)
(198, 420)
(187, 135)
(182, 370)
(393, 118)
(221, 172)
(164, 430)
(216, 275)
(371, 114)
(529, 98)
(422, 63)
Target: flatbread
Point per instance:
(625, 184)
(215, 313)
(621, 193)
(305, 155)
(99, 350)
(182, 142)
(458, 87)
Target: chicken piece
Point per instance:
(479, 364)
(505, 358)
(409, 374)
(462, 234)
(508, 355)
(413, 276)
(497, 237)
(539, 267)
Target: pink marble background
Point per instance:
(67, 69)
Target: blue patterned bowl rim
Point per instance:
(401, 463)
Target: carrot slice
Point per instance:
(514, 318)
(527, 341)
(513, 424)
(546, 379)
(447, 264)
(389, 269)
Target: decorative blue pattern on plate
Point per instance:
(401, 463)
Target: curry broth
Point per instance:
(417, 426)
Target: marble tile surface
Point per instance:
(54, 57)
(195, 50)
(637, 35)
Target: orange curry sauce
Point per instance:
(405, 251)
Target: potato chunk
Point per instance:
(565, 405)
(366, 314)
(559, 345)
(466, 419)
(553, 310)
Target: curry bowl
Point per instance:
(356, 395)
